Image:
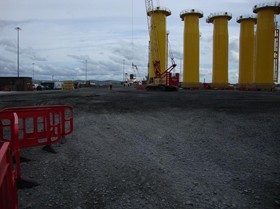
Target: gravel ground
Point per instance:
(137, 149)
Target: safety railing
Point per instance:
(159, 9)
(211, 17)
(245, 17)
(268, 4)
(197, 12)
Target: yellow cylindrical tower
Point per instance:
(158, 38)
(264, 69)
(220, 48)
(191, 48)
(246, 51)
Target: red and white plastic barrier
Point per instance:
(27, 127)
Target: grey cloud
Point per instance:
(130, 52)
(30, 53)
(3, 59)
(7, 67)
(109, 67)
(49, 71)
(177, 54)
(136, 54)
(80, 58)
(123, 49)
(234, 44)
(13, 23)
(233, 75)
(8, 45)
(206, 73)
(234, 50)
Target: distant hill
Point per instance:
(82, 81)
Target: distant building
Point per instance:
(15, 83)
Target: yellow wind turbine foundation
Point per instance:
(220, 48)
(246, 51)
(264, 71)
(191, 48)
(158, 39)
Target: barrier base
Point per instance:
(49, 148)
(24, 184)
(22, 160)
(63, 140)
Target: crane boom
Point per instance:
(149, 7)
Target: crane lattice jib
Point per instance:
(276, 52)
(149, 5)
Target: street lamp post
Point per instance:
(33, 71)
(18, 29)
(123, 70)
(86, 69)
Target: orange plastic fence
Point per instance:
(8, 192)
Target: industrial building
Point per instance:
(15, 83)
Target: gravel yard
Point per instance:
(135, 149)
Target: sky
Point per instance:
(100, 39)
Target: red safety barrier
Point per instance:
(42, 125)
(9, 133)
(34, 126)
(27, 127)
(8, 192)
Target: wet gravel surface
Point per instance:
(137, 149)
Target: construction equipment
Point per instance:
(136, 70)
(160, 76)
(276, 52)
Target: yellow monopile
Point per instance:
(191, 47)
(158, 38)
(246, 50)
(220, 48)
(264, 60)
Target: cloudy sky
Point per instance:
(58, 36)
